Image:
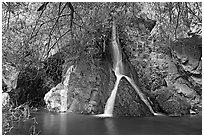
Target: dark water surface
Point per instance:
(75, 124)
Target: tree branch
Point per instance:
(177, 21)
(57, 41)
(72, 13)
(200, 21)
(43, 6)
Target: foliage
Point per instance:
(13, 115)
(31, 34)
(175, 18)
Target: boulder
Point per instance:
(9, 77)
(171, 103)
(56, 98)
(183, 87)
(188, 54)
(128, 103)
(88, 88)
(5, 99)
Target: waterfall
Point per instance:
(119, 73)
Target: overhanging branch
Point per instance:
(72, 13)
(57, 41)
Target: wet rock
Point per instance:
(172, 103)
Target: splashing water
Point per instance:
(119, 73)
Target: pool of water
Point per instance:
(76, 124)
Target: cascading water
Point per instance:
(119, 73)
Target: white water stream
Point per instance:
(119, 73)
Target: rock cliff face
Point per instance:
(188, 53)
(89, 88)
(168, 78)
(160, 79)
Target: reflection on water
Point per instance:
(62, 126)
(110, 125)
(73, 124)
